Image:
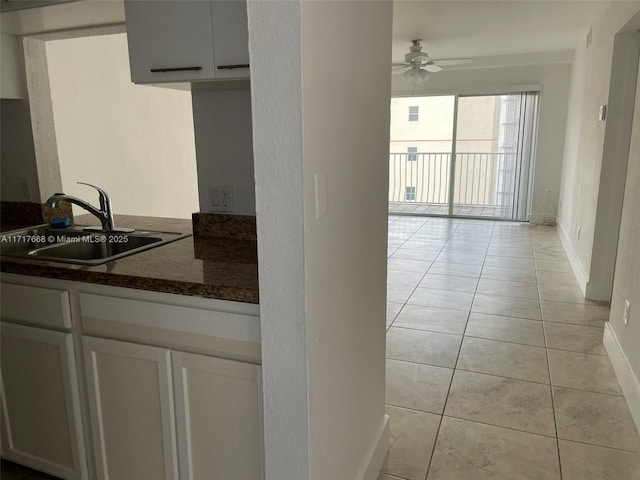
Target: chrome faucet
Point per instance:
(104, 213)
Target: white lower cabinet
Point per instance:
(131, 407)
(41, 419)
(80, 405)
(218, 418)
(162, 414)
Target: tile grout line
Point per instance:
(421, 278)
(455, 366)
(388, 257)
(497, 426)
(507, 378)
(501, 341)
(444, 406)
(494, 235)
(546, 351)
(403, 305)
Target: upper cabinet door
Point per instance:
(169, 41)
(230, 39)
(187, 40)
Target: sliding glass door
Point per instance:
(468, 156)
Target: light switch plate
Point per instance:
(625, 316)
(602, 116)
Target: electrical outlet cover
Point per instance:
(220, 198)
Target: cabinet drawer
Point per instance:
(39, 306)
(200, 330)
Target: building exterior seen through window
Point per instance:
(494, 133)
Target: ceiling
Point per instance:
(472, 29)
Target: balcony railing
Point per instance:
(481, 178)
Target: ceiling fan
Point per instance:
(418, 65)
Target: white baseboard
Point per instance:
(624, 373)
(576, 266)
(599, 291)
(542, 219)
(370, 468)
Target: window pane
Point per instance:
(420, 152)
(413, 113)
(410, 194)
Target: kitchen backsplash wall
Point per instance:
(224, 146)
(215, 225)
(14, 215)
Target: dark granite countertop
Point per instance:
(219, 268)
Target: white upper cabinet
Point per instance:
(230, 39)
(187, 40)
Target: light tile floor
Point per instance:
(496, 368)
(495, 363)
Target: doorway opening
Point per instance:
(463, 155)
(91, 124)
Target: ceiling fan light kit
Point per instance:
(419, 66)
(416, 75)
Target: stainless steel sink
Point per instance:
(79, 246)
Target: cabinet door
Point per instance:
(169, 40)
(230, 39)
(131, 406)
(41, 425)
(218, 411)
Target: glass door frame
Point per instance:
(452, 163)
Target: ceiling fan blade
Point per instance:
(432, 68)
(396, 64)
(453, 61)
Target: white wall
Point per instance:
(585, 135)
(17, 154)
(12, 81)
(346, 105)
(42, 119)
(626, 284)
(224, 146)
(276, 96)
(18, 169)
(322, 281)
(134, 141)
(554, 80)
